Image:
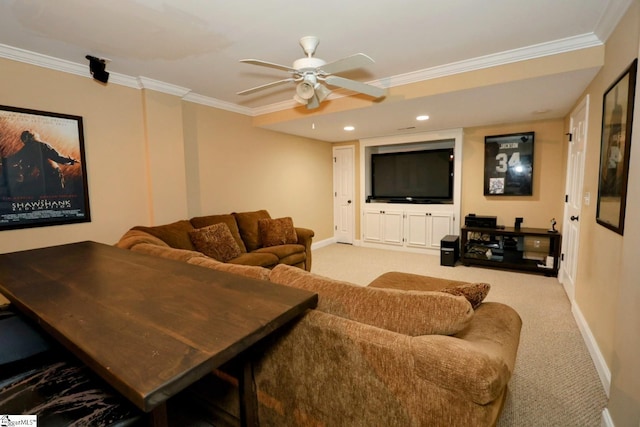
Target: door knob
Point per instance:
(574, 218)
(349, 201)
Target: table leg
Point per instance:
(248, 394)
(158, 416)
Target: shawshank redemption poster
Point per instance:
(42, 169)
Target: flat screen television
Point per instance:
(424, 176)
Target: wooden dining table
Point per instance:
(149, 326)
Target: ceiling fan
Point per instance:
(310, 73)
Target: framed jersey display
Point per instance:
(508, 164)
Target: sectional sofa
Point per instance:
(407, 350)
(241, 238)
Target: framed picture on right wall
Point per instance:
(615, 149)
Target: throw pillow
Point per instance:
(411, 313)
(473, 292)
(279, 231)
(216, 241)
(230, 220)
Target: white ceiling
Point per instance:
(193, 47)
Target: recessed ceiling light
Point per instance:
(349, 128)
(422, 118)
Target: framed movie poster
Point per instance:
(615, 150)
(508, 164)
(43, 177)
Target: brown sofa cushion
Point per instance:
(474, 292)
(407, 312)
(167, 252)
(175, 234)
(216, 241)
(230, 220)
(248, 226)
(256, 258)
(252, 271)
(279, 231)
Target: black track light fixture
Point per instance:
(97, 69)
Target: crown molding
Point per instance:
(57, 64)
(157, 85)
(516, 55)
(216, 103)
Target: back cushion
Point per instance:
(216, 241)
(248, 226)
(230, 220)
(175, 234)
(407, 312)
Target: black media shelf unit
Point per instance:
(523, 249)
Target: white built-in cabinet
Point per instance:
(383, 226)
(407, 228)
(426, 229)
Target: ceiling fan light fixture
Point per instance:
(305, 90)
(300, 100)
(321, 92)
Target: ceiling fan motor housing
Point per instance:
(308, 64)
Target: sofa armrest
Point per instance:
(305, 236)
(328, 370)
(413, 282)
(478, 361)
(136, 237)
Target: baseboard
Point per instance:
(323, 243)
(606, 420)
(601, 366)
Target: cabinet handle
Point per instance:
(575, 218)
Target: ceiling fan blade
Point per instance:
(358, 60)
(257, 88)
(268, 64)
(376, 92)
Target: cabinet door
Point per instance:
(440, 226)
(418, 229)
(372, 226)
(392, 227)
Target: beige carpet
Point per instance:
(555, 382)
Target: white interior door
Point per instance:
(574, 197)
(343, 194)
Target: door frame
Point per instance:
(568, 286)
(354, 205)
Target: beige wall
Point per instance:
(547, 201)
(241, 168)
(607, 285)
(165, 156)
(115, 154)
(600, 254)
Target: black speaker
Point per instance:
(449, 250)
(97, 69)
